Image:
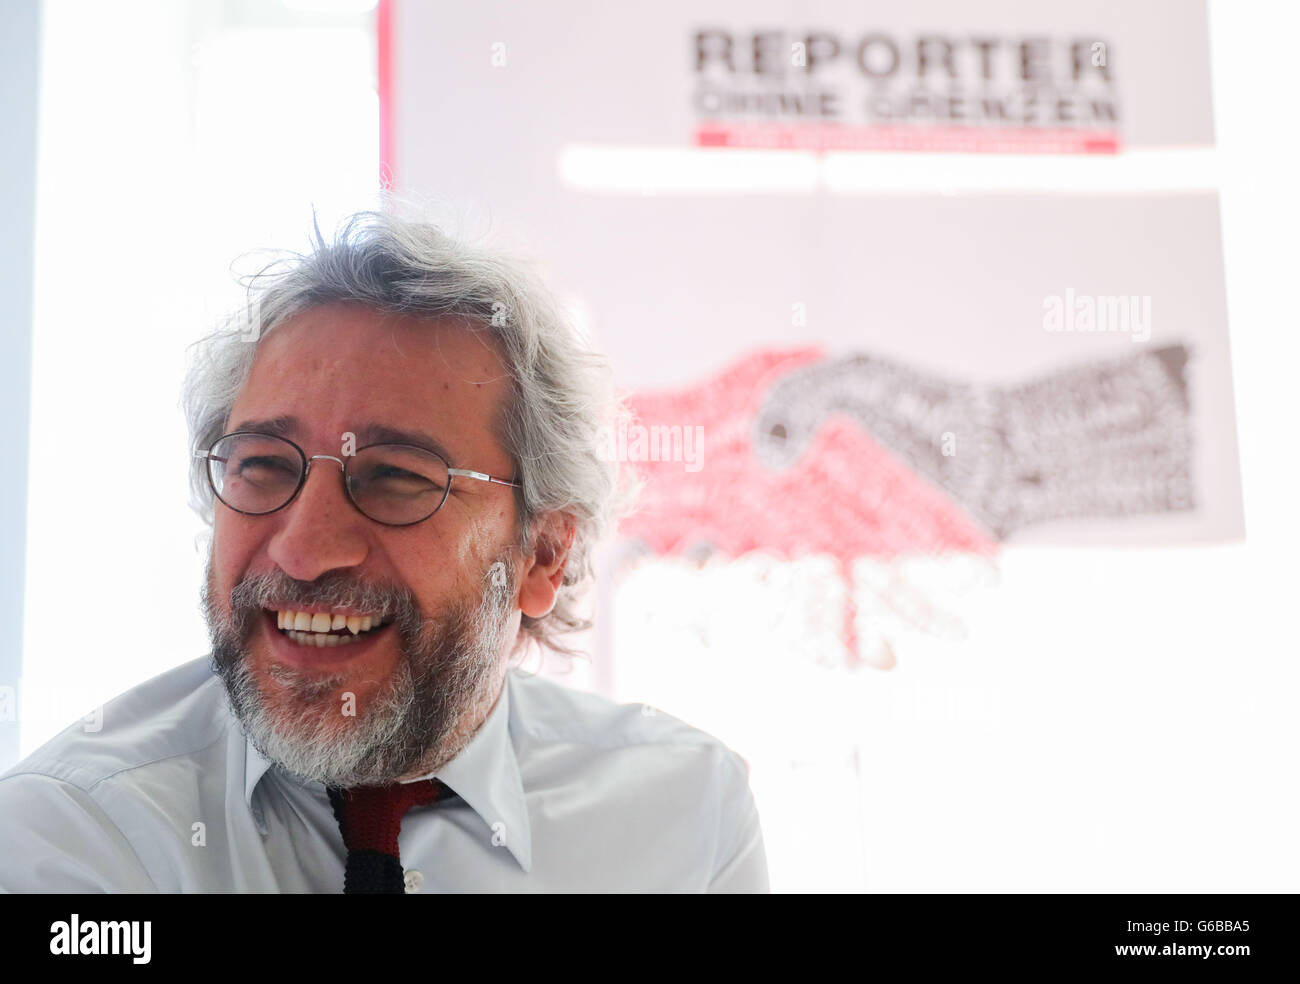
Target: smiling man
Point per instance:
(400, 461)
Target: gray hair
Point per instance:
(560, 402)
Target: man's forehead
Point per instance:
(385, 378)
(383, 334)
(367, 432)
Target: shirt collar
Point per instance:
(485, 775)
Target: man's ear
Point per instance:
(544, 567)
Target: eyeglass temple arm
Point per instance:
(463, 472)
(466, 473)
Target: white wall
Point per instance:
(19, 47)
(174, 137)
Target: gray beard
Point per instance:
(415, 720)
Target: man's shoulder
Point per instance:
(546, 711)
(171, 716)
(595, 754)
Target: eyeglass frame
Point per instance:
(307, 460)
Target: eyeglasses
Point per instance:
(393, 484)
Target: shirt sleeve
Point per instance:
(58, 839)
(743, 867)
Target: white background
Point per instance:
(1114, 720)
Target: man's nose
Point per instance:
(321, 529)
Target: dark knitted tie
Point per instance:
(370, 818)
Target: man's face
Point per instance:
(393, 702)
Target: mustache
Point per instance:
(338, 589)
(333, 589)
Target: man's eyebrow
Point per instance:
(383, 434)
(278, 426)
(371, 433)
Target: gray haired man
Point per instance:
(401, 465)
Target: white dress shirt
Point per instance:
(558, 791)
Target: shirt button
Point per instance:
(413, 879)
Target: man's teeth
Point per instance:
(310, 629)
(319, 639)
(324, 622)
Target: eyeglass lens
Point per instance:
(391, 483)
